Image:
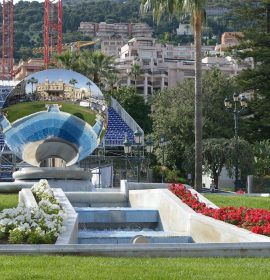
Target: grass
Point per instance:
(239, 200)
(8, 201)
(86, 267)
(78, 267)
(23, 109)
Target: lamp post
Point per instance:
(236, 111)
(138, 142)
(162, 145)
(100, 154)
(138, 149)
(149, 150)
(127, 150)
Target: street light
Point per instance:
(162, 144)
(236, 111)
(138, 142)
(127, 149)
(149, 150)
(139, 147)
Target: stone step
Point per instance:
(124, 237)
(116, 215)
(97, 199)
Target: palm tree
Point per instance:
(196, 9)
(73, 82)
(135, 71)
(32, 81)
(68, 60)
(96, 65)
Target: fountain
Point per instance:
(55, 118)
(51, 120)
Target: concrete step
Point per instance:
(124, 237)
(117, 218)
(97, 199)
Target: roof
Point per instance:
(5, 83)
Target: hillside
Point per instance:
(28, 18)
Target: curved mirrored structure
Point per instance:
(54, 115)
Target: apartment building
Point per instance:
(112, 46)
(229, 39)
(164, 66)
(124, 30)
(25, 68)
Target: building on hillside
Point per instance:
(184, 29)
(161, 66)
(89, 28)
(112, 46)
(25, 68)
(229, 39)
(124, 30)
(216, 12)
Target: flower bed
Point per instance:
(255, 220)
(37, 225)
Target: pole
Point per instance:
(148, 167)
(138, 163)
(162, 173)
(236, 116)
(126, 166)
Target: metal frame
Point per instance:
(53, 17)
(7, 39)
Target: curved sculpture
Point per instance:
(54, 114)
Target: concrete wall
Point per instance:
(174, 216)
(177, 216)
(27, 198)
(70, 233)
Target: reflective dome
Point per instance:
(54, 114)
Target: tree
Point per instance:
(32, 81)
(255, 79)
(243, 154)
(173, 115)
(73, 82)
(215, 151)
(68, 60)
(96, 65)
(196, 8)
(131, 101)
(221, 152)
(261, 151)
(135, 71)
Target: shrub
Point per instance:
(37, 225)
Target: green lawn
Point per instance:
(23, 109)
(240, 200)
(8, 201)
(75, 267)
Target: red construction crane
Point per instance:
(7, 39)
(53, 14)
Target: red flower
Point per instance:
(255, 220)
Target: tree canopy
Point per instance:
(173, 114)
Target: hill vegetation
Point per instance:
(28, 21)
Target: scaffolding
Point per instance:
(7, 39)
(53, 15)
